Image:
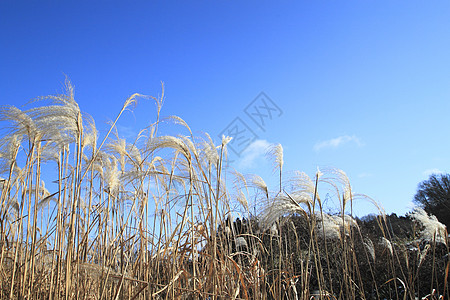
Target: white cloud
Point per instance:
(364, 175)
(337, 142)
(254, 152)
(429, 172)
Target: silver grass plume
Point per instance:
(134, 154)
(280, 205)
(22, 123)
(302, 187)
(301, 184)
(368, 244)
(9, 148)
(168, 142)
(433, 229)
(209, 151)
(240, 197)
(224, 148)
(239, 183)
(90, 137)
(185, 168)
(159, 101)
(61, 140)
(240, 242)
(226, 140)
(99, 163)
(179, 121)
(51, 152)
(118, 147)
(112, 175)
(132, 101)
(333, 225)
(257, 182)
(239, 180)
(387, 244)
(189, 144)
(275, 151)
(338, 179)
(63, 114)
(327, 228)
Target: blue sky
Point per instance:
(360, 85)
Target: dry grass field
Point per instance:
(155, 219)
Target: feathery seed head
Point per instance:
(168, 142)
(258, 182)
(276, 151)
(328, 228)
(135, 154)
(240, 242)
(23, 123)
(131, 101)
(119, 147)
(333, 225)
(9, 146)
(210, 153)
(368, 244)
(226, 140)
(112, 175)
(337, 179)
(239, 180)
(242, 200)
(63, 114)
(433, 229)
(240, 183)
(302, 183)
(281, 205)
(387, 244)
(179, 121)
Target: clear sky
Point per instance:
(358, 85)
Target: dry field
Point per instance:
(154, 218)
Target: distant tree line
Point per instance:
(433, 195)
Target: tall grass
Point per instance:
(154, 219)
